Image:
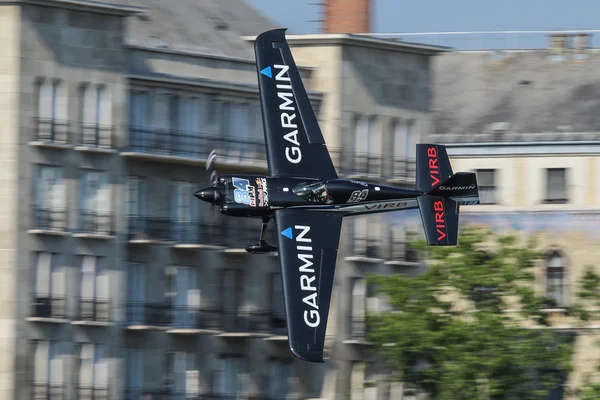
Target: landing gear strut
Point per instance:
(262, 247)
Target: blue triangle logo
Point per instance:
(287, 233)
(267, 72)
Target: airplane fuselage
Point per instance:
(261, 196)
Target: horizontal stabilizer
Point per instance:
(440, 219)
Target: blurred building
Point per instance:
(115, 281)
(526, 122)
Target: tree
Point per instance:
(457, 331)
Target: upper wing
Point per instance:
(295, 144)
(308, 243)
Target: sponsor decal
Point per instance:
(434, 168)
(308, 286)
(358, 195)
(440, 220)
(244, 193)
(469, 203)
(263, 192)
(360, 183)
(380, 206)
(287, 114)
(456, 187)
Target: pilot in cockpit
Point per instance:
(315, 193)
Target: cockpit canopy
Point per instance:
(314, 192)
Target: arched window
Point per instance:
(555, 278)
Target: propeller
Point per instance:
(211, 169)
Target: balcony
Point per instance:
(51, 133)
(48, 391)
(246, 323)
(94, 311)
(50, 220)
(49, 308)
(97, 138)
(148, 315)
(198, 234)
(144, 229)
(148, 394)
(95, 223)
(367, 248)
(92, 393)
(190, 318)
(358, 331)
(191, 147)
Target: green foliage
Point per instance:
(452, 331)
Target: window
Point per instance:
(279, 375)
(234, 121)
(403, 146)
(183, 296)
(96, 115)
(367, 236)
(231, 289)
(185, 213)
(182, 377)
(48, 370)
(486, 182)
(136, 293)
(93, 371)
(95, 199)
(136, 196)
(367, 145)
(134, 372)
(49, 297)
(555, 279)
(94, 285)
(50, 198)
(229, 374)
(277, 306)
(51, 109)
(358, 308)
(556, 186)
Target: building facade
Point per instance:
(525, 123)
(116, 283)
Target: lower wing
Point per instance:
(308, 245)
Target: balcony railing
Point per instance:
(51, 131)
(186, 232)
(95, 222)
(399, 250)
(94, 310)
(48, 391)
(49, 307)
(175, 317)
(190, 317)
(367, 246)
(403, 168)
(92, 393)
(358, 328)
(145, 228)
(148, 314)
(97, 136)
(278, 323)
(192, 145)
(252, 322)
(147, 394)
(50, 219)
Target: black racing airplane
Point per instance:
(304, 195)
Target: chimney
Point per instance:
(558, 43)
(347, 16)
(582, 42)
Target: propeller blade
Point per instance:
(211, 167)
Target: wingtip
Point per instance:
(274, 35)
(307, 355)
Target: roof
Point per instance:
(521, 92)
(201, 26)
(324, 39)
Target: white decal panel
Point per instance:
(364, 208)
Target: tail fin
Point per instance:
(433, 166)
(443, 194)
(440, 219)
